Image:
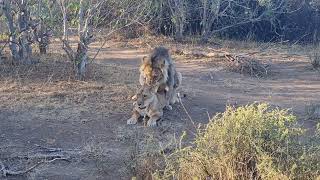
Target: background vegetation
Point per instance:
(28, 22)
(262, 20)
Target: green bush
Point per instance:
(250, 142)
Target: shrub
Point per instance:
(315, 60)
(250, 142)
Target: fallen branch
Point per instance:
(44, 154)
(200, 53)
(5, 171)
(210, 53)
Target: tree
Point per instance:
(42, 31)
(19, 29)
(209, 14)
(113, 15)
(178, 10)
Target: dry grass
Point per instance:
(251, 142)
(149, 150)
(315, 59)
(51, 83)
(313, 115)
(49, 90)
(46, 95)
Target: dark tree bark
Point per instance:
(13, 44)
(19, 36)
(178, 11)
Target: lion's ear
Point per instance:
(145, 60)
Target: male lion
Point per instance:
(159, 70)
(148, 104)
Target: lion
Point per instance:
(159, 70)
(149, 104)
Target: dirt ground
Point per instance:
(42, 107)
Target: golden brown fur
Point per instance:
(148, 104)
(145, 71)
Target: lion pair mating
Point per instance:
(159, 81)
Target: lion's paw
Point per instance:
(132, 121)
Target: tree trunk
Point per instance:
(21, 49)
(41, 35)
(206, 29)
(179, 31)
(41, 32)
(25, 49)
(204, 21)
(179, 15)
(81, 60)
(209, 16)
(13, 44)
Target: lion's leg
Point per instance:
(168, 99)
(145, 120)
(174, 95)
(154, 117)
(173, 98)
(134, 118)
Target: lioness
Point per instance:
(148, 104)
(159, 70)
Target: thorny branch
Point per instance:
(48, 155)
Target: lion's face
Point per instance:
(144, 97)
(152, 75)
(152, 70)
(157, 75)
(159, 62)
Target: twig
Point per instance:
(95, 56)
(6, 171)
(56, 149)
(297, 41)
(186, 111)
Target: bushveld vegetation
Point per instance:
(248, 142)
(262, 20)
(35, 22)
